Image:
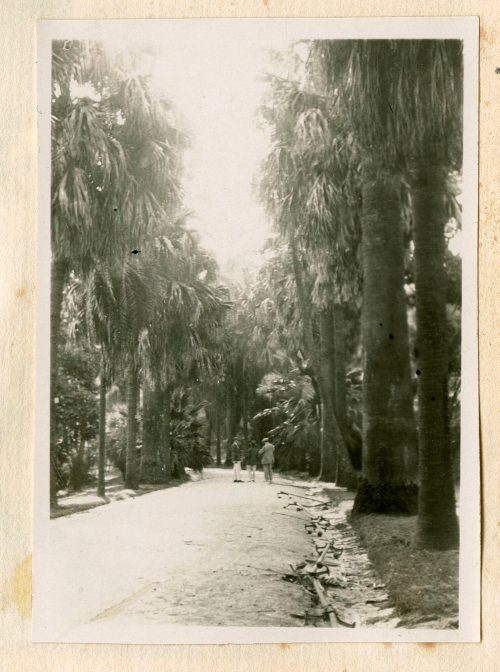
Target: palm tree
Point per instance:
(98, 301)
(182, 333)
(388, 423)
(422, 87)
(358, 74)
(300, 185)
(242, 359)
(138, 294)
(92, 303)
(117, 299)
(433, 112)
(87, 166)
(185, 301)
(101, 460)
(115, 165)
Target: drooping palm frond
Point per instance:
(310, 182)
(401, 96)
(116, 154)
(183, 325)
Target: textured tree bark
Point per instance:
(389, 434)
(332, 441)
(131, 470)
(328, 461)
(208, 437)
(245, 416)
(149, 463)
(218, 432)
(332, 351)
(162, 433)
(326, 382)
(437, 518)
(339, 340)
(101, 460)
(231, 421)
(79, 473)
(58, 277)
(344, 474)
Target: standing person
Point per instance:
(267, 452)
(251, 460)
(236, 457)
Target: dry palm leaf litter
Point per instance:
(344, 587)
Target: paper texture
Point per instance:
(18, 123)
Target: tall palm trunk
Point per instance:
(339, 470)
(333, 448)
(388, 423)
(101, 460)
(339, 340)
(328, 461)
(346, 474)
(326, 382)
(149, 435)
(164, 438)
(208, 436)
(437, 518)
(245, 416)
(230, 420)
(58, 276)
(79, 472)
(332, 380)
(131, 470)
(218, 432)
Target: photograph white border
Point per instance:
(453, 27)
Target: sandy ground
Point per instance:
(205, 553)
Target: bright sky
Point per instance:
(212, 72)
(217, 87)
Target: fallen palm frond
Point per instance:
(339, 577)
(291, 494)
(277, 513)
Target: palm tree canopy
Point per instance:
(116, 156)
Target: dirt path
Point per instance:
(205, 553)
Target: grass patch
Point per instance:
(423, 585)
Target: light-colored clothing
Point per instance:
(237, 471)
(267, 452)
(235, 452)
(251, 471)
(268, 471)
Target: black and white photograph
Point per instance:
(257, 398)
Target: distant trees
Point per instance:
(295, 423)
(119, 236)
(357, 182)
(298, 186)
(435, 154)
(320, 349)
(360, 74)
(75, 420)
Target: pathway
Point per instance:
(206, 553)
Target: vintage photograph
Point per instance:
(257, 376)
